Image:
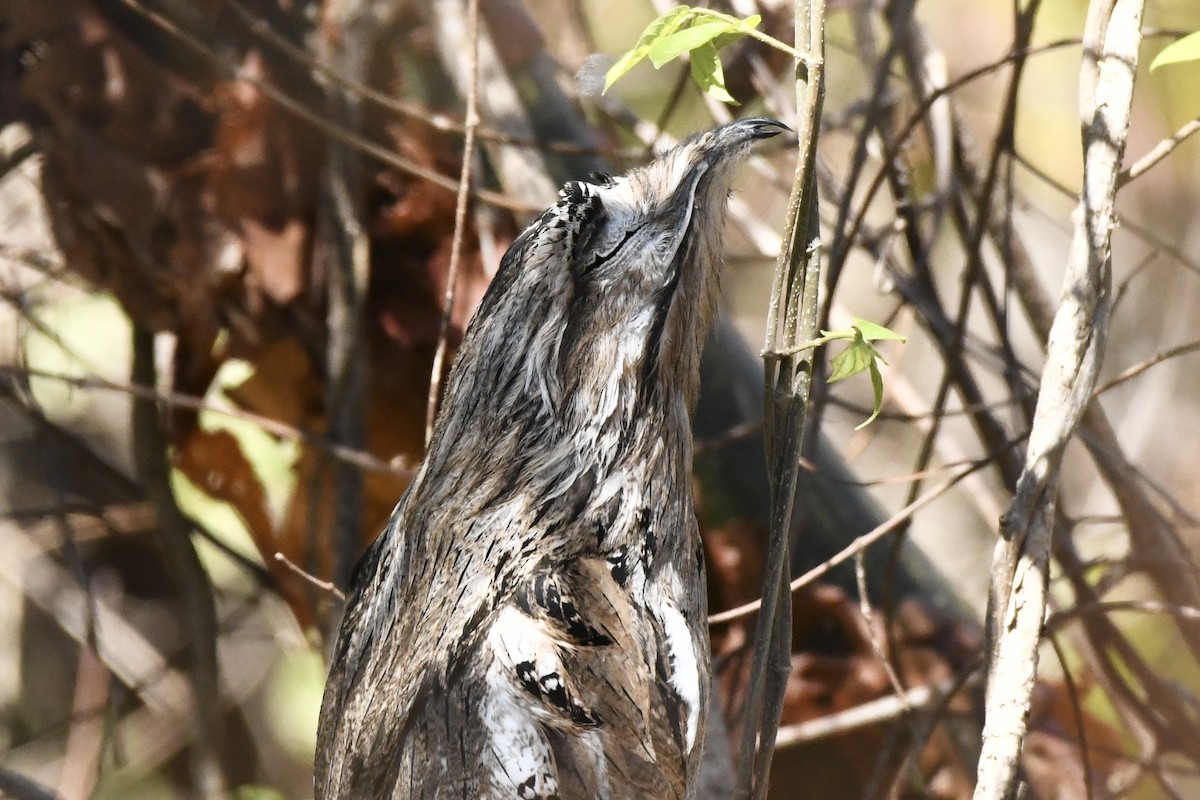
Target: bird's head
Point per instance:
(607, 297)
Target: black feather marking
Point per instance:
(527, 790)
(527, 675)
(672, 701)
(524, 601)
(583, 717)
(475, 624)
(555, 691)
(548, 598)
(649, 537)
(618, 565)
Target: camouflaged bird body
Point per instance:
(532, 622)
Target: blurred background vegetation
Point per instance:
(227, 233)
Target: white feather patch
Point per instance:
(520, 763)
(685, 666)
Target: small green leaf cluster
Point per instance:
(861, 355)
(1178, 52)
(684, 29)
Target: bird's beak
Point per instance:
(749, 130)
(760, 127)
(733, 140)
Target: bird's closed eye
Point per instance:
(602, 258)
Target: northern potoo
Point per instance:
(532, 621)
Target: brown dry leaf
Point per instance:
(276, 257)
(213, 461)
(283, 385)
(263, 171)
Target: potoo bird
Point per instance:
(532, 621)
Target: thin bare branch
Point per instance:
(1159, 152)
(313, 580)
(1139, 368)
(859, 544)
(172, 400)
(860, 716)
(347, 37)
(460, 217)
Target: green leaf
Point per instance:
(736, 32)
(750, 22)
(1178, 52)
(707, 73)
(851, 361)
(665, 25)
(687, 40)
(874, 332)
(877, 387)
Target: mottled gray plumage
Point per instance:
(531, 623)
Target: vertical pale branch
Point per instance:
(791, 321)
(1074, 353)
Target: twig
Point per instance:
(123, 519)
(859, 544)
(86, 736)
(1141, 230)
(171, 400)
(261, 28)
(1061, 618)
(870, 713)
(1074, 352)
(132, 658)
(156, 731)
(1159, 152)
(460, 218)
(1146, 701)
(1149, 531)
(1138, 369)
(743, 430)
(317, 583)
(1089, 791)
(877, 645)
